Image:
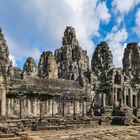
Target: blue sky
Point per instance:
(33, 26)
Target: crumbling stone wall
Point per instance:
(116, 86)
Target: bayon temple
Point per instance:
(66, 83)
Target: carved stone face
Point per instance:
(50, 67)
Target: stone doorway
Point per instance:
(127, 100)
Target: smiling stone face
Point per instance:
(29, 68)
(47, 66)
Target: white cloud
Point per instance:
(116, 40)
(136, 29)
(52, 17)
(124, 6)
(103, 12)
(13, 59)
(44, 22)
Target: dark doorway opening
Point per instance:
(127, 100)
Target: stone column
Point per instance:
(18, 107)
(12, 107)
(52, 107)
(115, 98)
(29, 107)
(8, 107)
(77, 104)
(55, 107)
(84, 108)
(130, 98)
(3, 102)
(46, 107)
(35, 107)
(104, 100)
(124, 95)
(22, 107)
(38, 107)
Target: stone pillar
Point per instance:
(8, 107)
(115, 99)
(12, 107)
(124, 95)
(84, 108)
(29, 108)
(104, 100)
(55, 107)
(3, 102)
(77, 107)
(18, 107)
(38, 107)
(22, 108)
(35, 107)
(130, 97)
(52, 107)
(46, 107)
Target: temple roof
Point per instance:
(53, 87)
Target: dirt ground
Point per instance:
(89, 133)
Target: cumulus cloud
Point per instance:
(103, 12)
(116, 40)
(124, 6)
(136, 29)
(44, 22)
(52, 17)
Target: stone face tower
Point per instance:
(29, 68)
(4, 65)
(131, 62)
(47, 67)
(71, 59)
(102, 59)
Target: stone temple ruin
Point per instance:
(63, 84)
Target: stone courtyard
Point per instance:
(85, 133)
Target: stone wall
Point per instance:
(24, 107)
